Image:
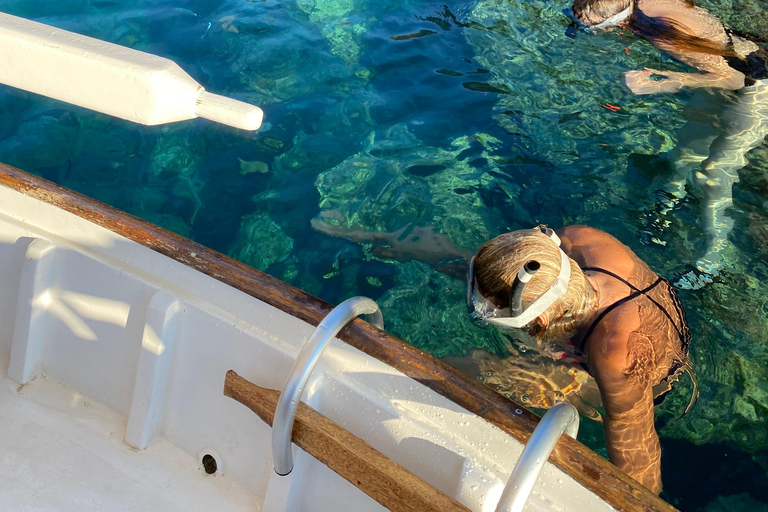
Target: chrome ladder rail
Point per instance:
(288, 403)
(562, 417)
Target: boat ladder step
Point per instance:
(562, 417)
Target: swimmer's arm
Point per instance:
(713, 70)
(633, 444)
(731, 81)
(641, 81)
(714, 73)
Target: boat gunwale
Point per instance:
(575, 459)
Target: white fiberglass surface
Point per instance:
(9, 283)
(61, 451)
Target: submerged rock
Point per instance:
(274, 55)
(378, 190)
(260, 242)
(255, 166)
(44, 139)
(733, 406)
(341, 28)
(172, 155)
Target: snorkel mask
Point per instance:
(514, 316)
(614, 21)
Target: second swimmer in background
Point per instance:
(585, 298)
(724, 59)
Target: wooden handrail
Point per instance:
(359, 463)
(582, 464)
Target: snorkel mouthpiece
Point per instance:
(518, 286)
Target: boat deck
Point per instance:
(62, 451)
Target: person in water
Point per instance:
(585, 298)
(724, 59)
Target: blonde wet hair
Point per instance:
(497, 263)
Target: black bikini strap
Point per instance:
(615, 276)
(683, 332)
(636, 289)
(636, 293)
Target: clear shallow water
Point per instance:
(472, 117)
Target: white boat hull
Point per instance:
(116, 357)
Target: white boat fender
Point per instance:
(109, 78)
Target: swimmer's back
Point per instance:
(693, 21)
(595, 249)
(653, 320)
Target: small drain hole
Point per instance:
(209, 464)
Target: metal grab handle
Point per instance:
(288, 403)
(562, 417)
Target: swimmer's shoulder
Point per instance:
(591, 247)
(655, 8)
(589, 239)
(677, 9)
(579, 232)
(689, 18)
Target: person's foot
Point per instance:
(705, 270)
(693, 279)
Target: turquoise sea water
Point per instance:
(471, 118)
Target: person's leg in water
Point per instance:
(693, 142)
(691, 148)
(745, 126)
